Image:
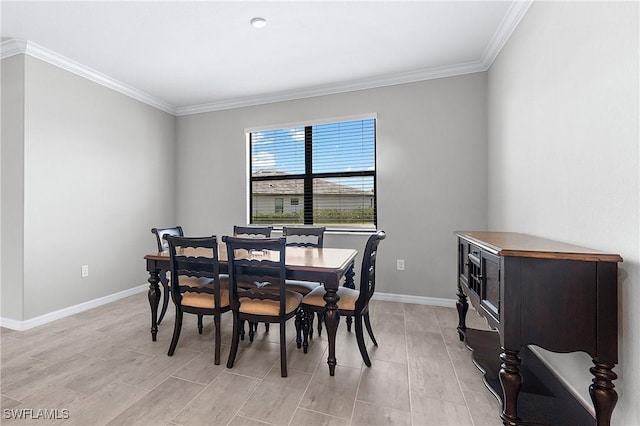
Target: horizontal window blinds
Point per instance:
(321, 174)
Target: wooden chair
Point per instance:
(164, 246)
(303, 236)
(263, 259)
(352, 302)
(292, 236)
(251, 231)
(195, 284)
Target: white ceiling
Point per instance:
(189, 56)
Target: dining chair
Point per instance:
(160, 234)
(303, 236)
(196, 287)
(251, 259)
(251, 231)
(352, 302)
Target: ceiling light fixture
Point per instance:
(259, 22)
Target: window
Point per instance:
(330, 167)
(279, 205)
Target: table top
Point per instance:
(302, 258)
(523, 245)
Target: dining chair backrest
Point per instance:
(368, 271)
(304, 236)
(256, 259)
(193, 259)
(252, 231)
(160, 236)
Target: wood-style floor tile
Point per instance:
(275, 399)
(334, 395)
(160, 405)
(102, 366)
(219, 402)
(366, 414)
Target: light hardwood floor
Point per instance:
(103, 369)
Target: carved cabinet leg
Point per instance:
(463, 306)
(511, 381)
(602, 391)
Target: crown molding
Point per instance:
(332, 89)
(12, 47)
(15, 47)
(508, 25)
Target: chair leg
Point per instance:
(360, 340)
(298, 322)
(349, 322)
(242, 330)
(367, 323)
(283, 349)
(252, 328)
(266, 327)
(217, 344)
(176, 331)
(311, 317)
(199, 323)
(235, 341)
(307, 329)
(320, 319)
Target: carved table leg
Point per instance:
(331, 320)
(463, 306)
(511, 381)
(165, 295)
(154, 300)
(603, 395)
(349, 284)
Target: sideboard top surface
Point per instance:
(523, 245)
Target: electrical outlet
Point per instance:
(84, 271)
(400, 264)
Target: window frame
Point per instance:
(308, 176)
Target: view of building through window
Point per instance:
(321, 174)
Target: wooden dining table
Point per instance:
(324, 265)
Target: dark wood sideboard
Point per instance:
(535, 291)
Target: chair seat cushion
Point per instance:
(347, 300)
(202, 282)
(195, 282)
(302, 287)
(268, 306)
(205, 300)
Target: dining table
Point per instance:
(327, 266)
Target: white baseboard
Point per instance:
(418, 300)
(52, 316)
(62, 313)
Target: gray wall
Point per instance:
(12, 195)
(99, 172)
(564, 154)
(431, 171)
